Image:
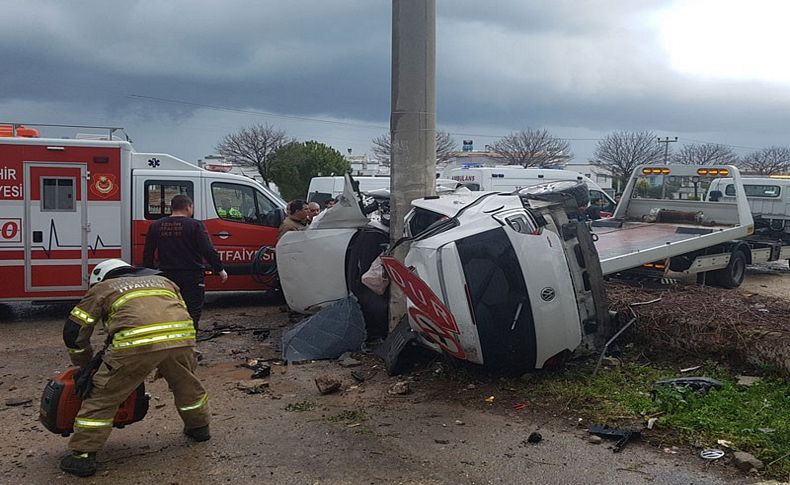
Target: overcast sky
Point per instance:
(179, 74)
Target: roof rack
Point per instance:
(111, 129)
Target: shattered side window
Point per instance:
(498, 299)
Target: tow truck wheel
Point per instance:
(732, 276)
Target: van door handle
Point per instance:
(223, 234)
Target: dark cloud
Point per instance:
(573, 66)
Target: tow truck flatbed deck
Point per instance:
(636, 243)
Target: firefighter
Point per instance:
(182, 245)
(148, 327)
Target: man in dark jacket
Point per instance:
(182, 244)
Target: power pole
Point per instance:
(666, 141)
(412, 121)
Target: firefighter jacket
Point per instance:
(139, 314)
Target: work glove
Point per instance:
(83, 382)
(83, 378)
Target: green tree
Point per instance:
(295, 163)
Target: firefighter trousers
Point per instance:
(120, 374)
(193, 290)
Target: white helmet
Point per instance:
(102, 270)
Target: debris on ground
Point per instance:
(596, 440)
(335, 329)
(490, 399)
(520, 406)
(534, 438)
(690, 369)
(622, 435)
(216, 330)
(347, 360)
(700, 384)
(458, 422)
(611, 362)
(17, 401)
(651, 422)
(400, 388)
(748, 380)
(358, 376)
(724, 443)
(746, 461)
(711, 454)
(327, 384)
(442, 442)
(260, 368)
(252, 386)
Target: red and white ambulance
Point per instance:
(67, 204)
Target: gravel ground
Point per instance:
(291, 434)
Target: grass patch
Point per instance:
(301, 406)
(349, 416)
(755, 419)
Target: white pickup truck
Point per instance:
(512, 280)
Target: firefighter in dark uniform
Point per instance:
(182, 244)
(148, 327)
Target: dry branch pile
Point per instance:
(730, 324)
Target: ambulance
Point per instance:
(67, 204)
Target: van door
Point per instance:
(243, 224)
(56, 226)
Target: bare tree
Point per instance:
(533, 148)
(768, 161)
(622, 151)
(445, 147)
(705, 154)
(253, 146)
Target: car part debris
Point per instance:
(622, 435)
(391, 349)
(534, 438)
(220, 330)
(711, 454)
(619, 332)
(700, 384)
(260, 368)
(357, 376)
(336, 329)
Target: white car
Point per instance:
(495, 279)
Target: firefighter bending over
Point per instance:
(148, 328)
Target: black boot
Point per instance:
(80, 464)
(198, 434)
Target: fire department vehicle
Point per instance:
(67, 204)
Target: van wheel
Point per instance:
(559, 191)
(732, 276)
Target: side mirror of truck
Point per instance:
(714, 195)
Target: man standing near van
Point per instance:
(182, 244)
(297, 218)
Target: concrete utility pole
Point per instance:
(413, 119)
(666, 141)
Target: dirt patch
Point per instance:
(730, 325)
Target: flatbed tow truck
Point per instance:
(706, 238)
